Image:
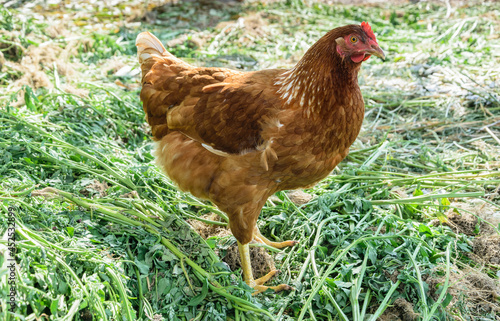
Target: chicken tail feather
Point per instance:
(150, 50)
(147, 43)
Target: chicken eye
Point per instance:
(354, 39)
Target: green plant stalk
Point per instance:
(186, 275)
(240, 302)
(126, 312)
(115, 216)
(421, 198)
(318, 283)
(194, 217)
(311, 314)
(356, 290)
(445, 286)
(153, 207)
(411, 177)
(298, 210)
(139, 283)
(193, 201)
(214, 285)
(20, 193)
(383, 305)
(373, 157)
(214, 209)
(24, 204)
(354, 304)
(365, 303)
(119, 176)
(376, 146)
(491, 203)
(24, 233)
(335, 304)
(419, 278)
(72, 311)
(69, 163)
(315, 245)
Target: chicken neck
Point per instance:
(321, 81)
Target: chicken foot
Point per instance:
(257, 285)
(263, 240)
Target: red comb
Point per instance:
(368, 30)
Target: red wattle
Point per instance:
(358, 57)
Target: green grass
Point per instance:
(75, 145)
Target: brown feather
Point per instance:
(236, 138)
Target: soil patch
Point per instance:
(262, 262)
(487, 249)
(299, 197)
(481, 209)
(401, 310)
(208, 230)
(476, 290)
(468, 224)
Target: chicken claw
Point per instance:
(261, 288)
(259, 238)
(257, 285)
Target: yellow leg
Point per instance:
(262, 239)
(258, 284)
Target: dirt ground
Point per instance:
(262, 262)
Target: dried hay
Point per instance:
(35, 63)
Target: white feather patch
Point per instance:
(144, 56)
(148, 40)
(215, 151)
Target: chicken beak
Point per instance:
(376, 51)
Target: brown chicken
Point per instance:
(236, 138)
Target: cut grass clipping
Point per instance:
(407, 227)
